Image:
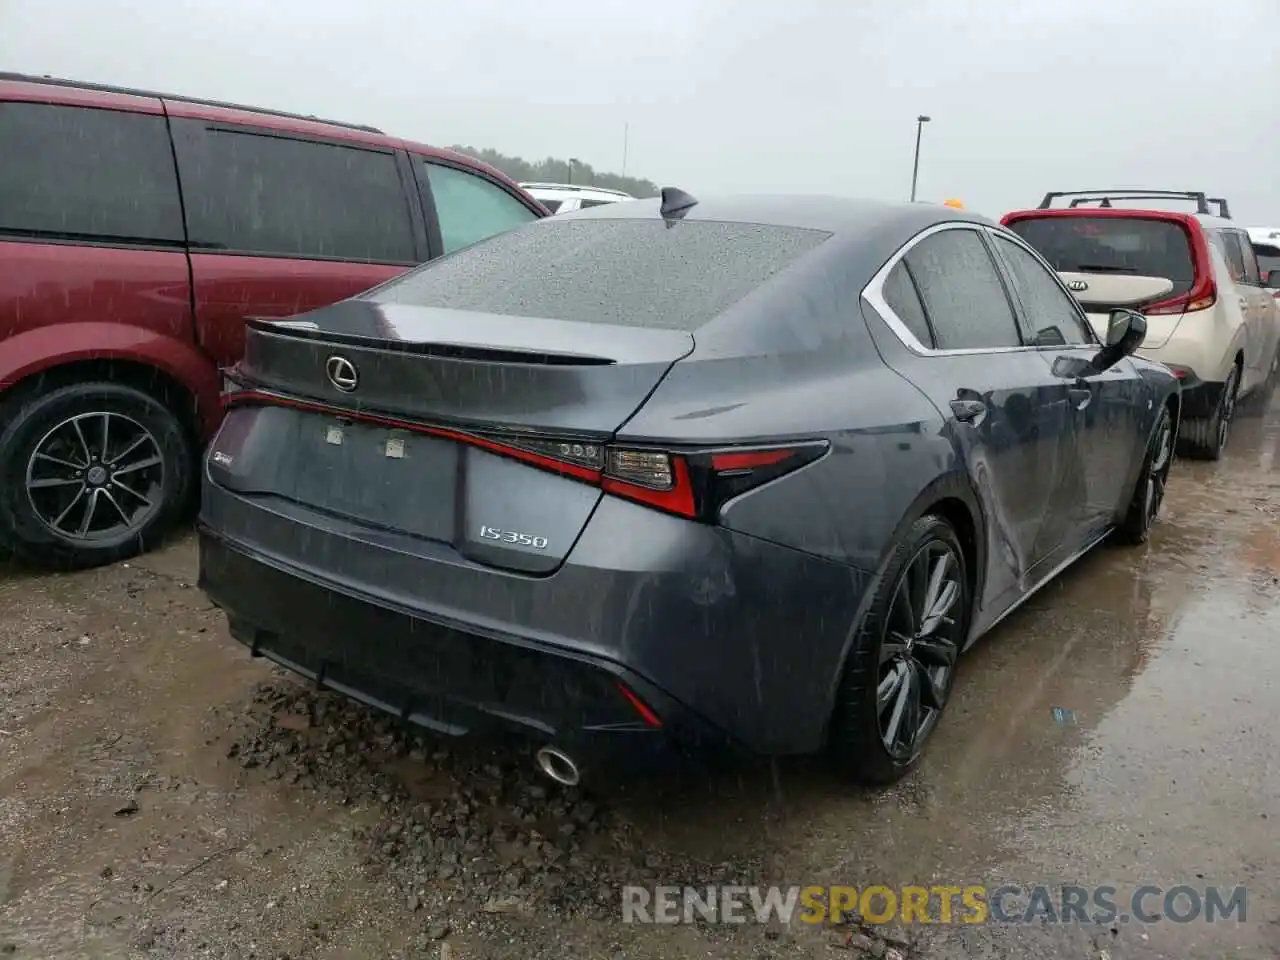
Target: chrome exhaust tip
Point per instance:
(559, 766)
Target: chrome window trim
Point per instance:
(873, 294)
(1081, 313)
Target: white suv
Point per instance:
(1193, 275)
(564, 197)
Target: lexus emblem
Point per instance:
(342, 373)
(1077, 286)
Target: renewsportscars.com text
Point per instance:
(972, 904)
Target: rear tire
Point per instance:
(1148, 493)
(903, 659)
(1258, 401)
(1206, 438)
(90, 473)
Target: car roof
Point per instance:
(830, 214)
(55, 90)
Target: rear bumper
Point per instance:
(728, 639)
(439, 677)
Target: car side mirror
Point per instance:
(1125, 332)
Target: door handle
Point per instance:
(968, 411)
(1080, 396)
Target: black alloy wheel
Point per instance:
(903, 662)
(1148, 493)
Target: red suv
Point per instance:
(137, 231)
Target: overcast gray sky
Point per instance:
(815, 96)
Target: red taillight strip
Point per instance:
(680, 498)
(258, 398)
(749, 459)
(640, 707)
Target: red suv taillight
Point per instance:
(692, 483)
(1183, 304)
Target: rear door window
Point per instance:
(962, 292)
(285, 197)
(75, 173)
(1120, 245)
(1251, 274)
(470, 208)
(674, 275)
(1229, 244)
(1051, 312)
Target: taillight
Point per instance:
(639, 706)
(691, 483)
(1183, 304)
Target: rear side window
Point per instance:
(470, 208)
(1250, 259)
(278, 196)
(77, 173)
(1229, 244)
(1121, 245)
(962, 292)
(641, 273)
(900, 294)
(1050, 311)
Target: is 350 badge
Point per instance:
(512, 536)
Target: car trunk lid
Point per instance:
(402, 418)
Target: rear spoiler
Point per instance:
(310, 330)
(1104, 199)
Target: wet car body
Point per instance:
(433, 536)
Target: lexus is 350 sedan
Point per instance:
(679, 473)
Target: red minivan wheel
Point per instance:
(90, 473)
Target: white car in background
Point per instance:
(1266, 246)
(1196, 278)
(565, 197)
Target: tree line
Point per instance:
(553, 170)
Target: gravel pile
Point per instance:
(468, 827)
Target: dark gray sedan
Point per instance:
(679, 473)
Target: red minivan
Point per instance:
(137, 231)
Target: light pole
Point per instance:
(572, 161)
(915, 166)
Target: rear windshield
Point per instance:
(640, 273)
(1120, 245)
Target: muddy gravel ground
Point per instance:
(163, 795)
